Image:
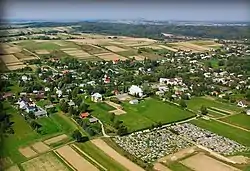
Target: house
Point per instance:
(24, 78)
(97, 97)
(39, 112)
(93, 120)
(159, 93)
(135, 101)
(135, 90)
(71, 103)
(242, 103)
(248, 112)
(46, 89)
(84, 115)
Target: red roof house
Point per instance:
(84, 115)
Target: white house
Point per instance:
(248, 112)
(97, 97)
(242, 104)
(135, 90)
(46, 89)
(24, 78)
(59, 93)
(135, 101)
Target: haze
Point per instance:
(195, 11)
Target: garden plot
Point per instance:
(46, 162)
(116, 156)
(23, 57)
(42, 52)
(56, 139)
(27, 152)
(75, 159)
(111, 57)
(7, 59)
(201, 162)
(150, 46)
(115, 48)
(40, 147)
(10, 50)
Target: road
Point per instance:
(31, 53)
(103, 130)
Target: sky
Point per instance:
(152, 10)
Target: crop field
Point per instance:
(43, 45)
(92, 49)
(115, 48)
(56, 139)
(46, 162)
(27, 152)
(13, 168)
(75, 159)
(115, 155)
(241, 120)
(42, 52)
(169, 48)
(138, 57)
(101, 157)
(196, 103)
(40, 147)
(201, 162)
(236, 134)
(110, 56)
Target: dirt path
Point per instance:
(31, 53)
(116, 156)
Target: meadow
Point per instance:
(236, 134)
(195, 104)
(146, 113)
(241, 120)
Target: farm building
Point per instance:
(135, 101)
(242, 103)
(93, 120)
(135, 90)
(97, 97)
(248, 112)
(30, 106)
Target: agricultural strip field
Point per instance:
(196, 103)
(236, 134)
(116, 156)
(110, 56)
(92, 49)
(33, 45)
(13, 168)
(75, 159)
(45, 162)
(115, 48)
(201, 162)
(100, 156)
(56, 139)
(160, 167)
(241, 120)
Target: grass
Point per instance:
(238, 135)
(196, 103)
(105, 106)
(214, 63)
(100, 156)
(92, 49)
(32, 45)
(214, 114)
(24, 135)
(241, 120)
(176, 166)
(144, 115)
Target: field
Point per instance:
(25, 136)
(46, 162)
(196, 103)
(161, 167)
(74, 52)
(241, 120)
(56, 139)
(75, 159)
(115, 155)
(110, 56)
(201, 162)
(41, 45)
(100, 156)
(40, 147)
(236, 134)
(144, 113)
(115, 48)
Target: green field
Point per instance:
(24, 135)
(143, 115)
(196, 103)
(100, 156)
(32, 45)
(241, 120)
(241, 136)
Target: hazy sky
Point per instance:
(158, 10)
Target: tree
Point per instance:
(34, 125)
(248, 95)
(122, 130)
(112, 117)
(183, 104)
(83, 107)
(204, 110)
(77, 135)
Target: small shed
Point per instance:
(97, 97)
(84, 115)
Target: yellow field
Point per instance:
(45, 162)
(115, 48)
(110, 57)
